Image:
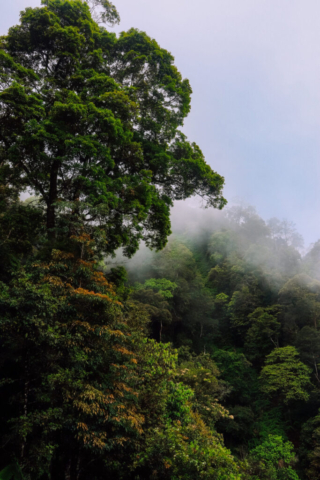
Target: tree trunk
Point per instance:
(67, 470)
(75, 467)
(25, 400)
(316, 369)
(74, 214)
(53, 195)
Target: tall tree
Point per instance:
(263, 333)
(90, 123)
(285, 375)
(273, 460)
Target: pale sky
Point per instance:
(254, 66)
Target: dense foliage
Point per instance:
(200, 361)
(245, 298)
(90, 123)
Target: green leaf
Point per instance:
(11, 472)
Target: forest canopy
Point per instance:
(196, 360)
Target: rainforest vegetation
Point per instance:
(196, 360)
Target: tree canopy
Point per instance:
(89, 122)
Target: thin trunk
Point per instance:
(160, 333)
(53, 195)
(74, 214)
(275, 343)
(78, 467)
(74, 467)
(25, 399)
(316, 369)
(67, 470)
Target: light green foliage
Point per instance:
(179, 401)
(221, 299)
(269, 420)
(160, 285)
(285, 376)
(186, 453)
(273, 460)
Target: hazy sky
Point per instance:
(254, 66)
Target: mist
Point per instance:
(271, 244)
(254, 71)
